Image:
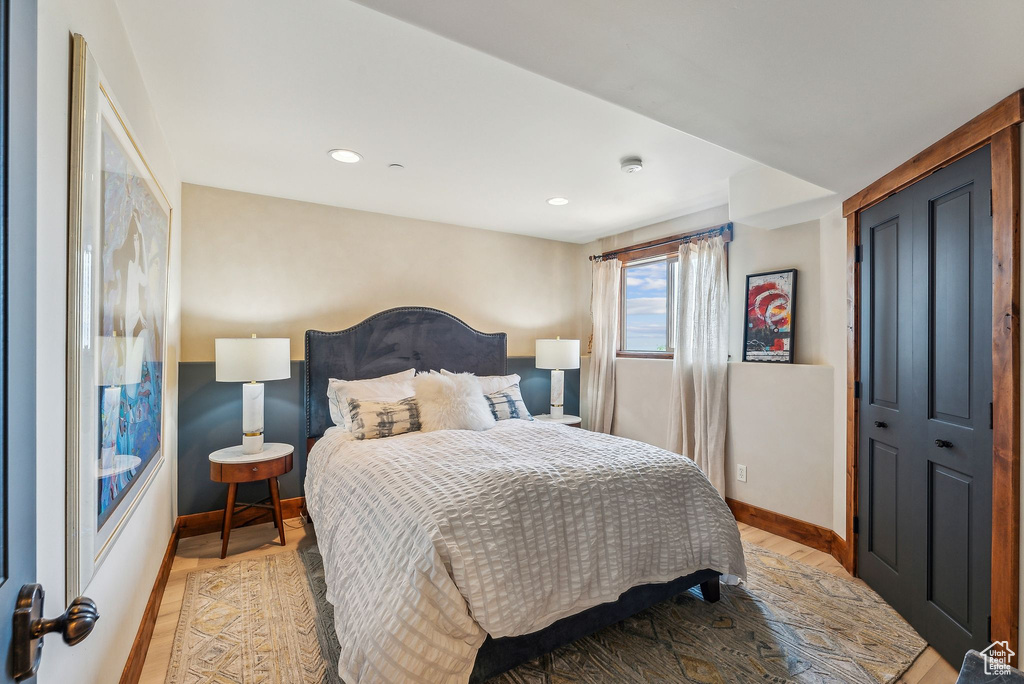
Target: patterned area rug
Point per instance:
(253, 622)
(267, 620)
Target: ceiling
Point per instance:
(252, 94)
(831, 91)
(495, 106)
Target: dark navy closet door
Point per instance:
(925, 464)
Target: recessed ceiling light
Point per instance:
(557, 201)
(346, 156)
(395, 166)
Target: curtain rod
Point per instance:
(685, 237)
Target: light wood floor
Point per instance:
(259, 540)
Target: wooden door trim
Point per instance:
(999, 127)
(852, 381)
(1006, 382)
(976, 133)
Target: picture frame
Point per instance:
(119, 231)
(769, 331)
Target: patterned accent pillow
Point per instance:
(394, 387)
(375, 419)
(508, 403)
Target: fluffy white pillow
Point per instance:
(491, 383)
(394, 387)
(451, 402)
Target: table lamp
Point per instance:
(252, 360)
(557, 355)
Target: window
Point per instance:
(648, 305)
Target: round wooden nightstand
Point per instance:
(231, 466)
(572, 421)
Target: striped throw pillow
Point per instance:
(508, 403)
(376, 419)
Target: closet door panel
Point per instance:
(925, 474)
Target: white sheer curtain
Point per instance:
(698, 407)
(604, 309)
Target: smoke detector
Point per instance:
(632, 165)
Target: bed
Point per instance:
(456, 555)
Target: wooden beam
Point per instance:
(961, 142)
(204, 523)
(1006, 383)
(140, 647)
(852, 378)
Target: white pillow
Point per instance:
(394, 387)
(491, 383)
(451, 402)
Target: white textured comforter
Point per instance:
(431, 540)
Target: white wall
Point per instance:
(642, 390)
(122, 585)
(780, 428)
(833, 349)
(292, 266)
(756, 250)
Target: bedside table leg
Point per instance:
(229, 511)
(275, 498)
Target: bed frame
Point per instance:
(429, 339)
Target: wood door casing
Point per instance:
(998, 125)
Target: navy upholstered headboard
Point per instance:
(392, 341)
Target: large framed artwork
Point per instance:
(119, 232)
(771, 307)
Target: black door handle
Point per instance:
(943, 444)
(881, 424)
(30, 626)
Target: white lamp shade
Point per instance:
(558, 354)
(253, 359)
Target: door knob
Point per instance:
(30, 626)
(943, 444)
(881, 424)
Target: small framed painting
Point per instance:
(119, 230)
(771, 306)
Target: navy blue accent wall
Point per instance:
(536, 386)
(210, 418)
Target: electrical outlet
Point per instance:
(741, 473)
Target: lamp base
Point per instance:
(252, 417)
(252, 444)
(557, 393)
